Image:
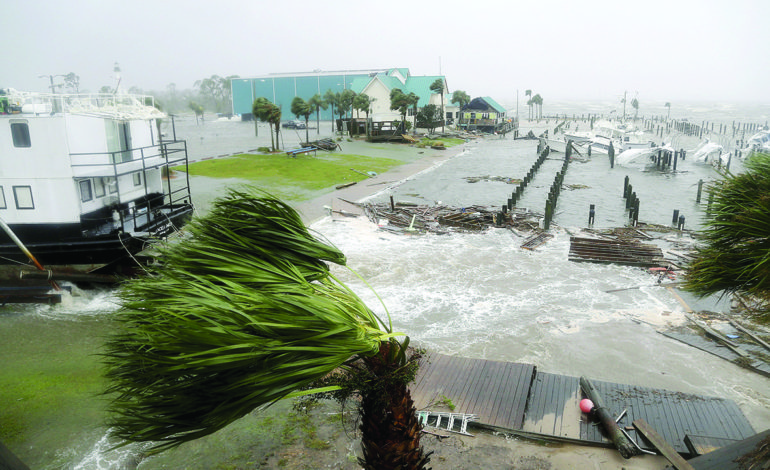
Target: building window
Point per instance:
(3, 205)
(20, 133)
(85, 190)
(137, 179)
(23, 197)
(484, 115)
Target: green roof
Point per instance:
(419, 85)
(494, 104)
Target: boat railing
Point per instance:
(117, 105)
(139, 161)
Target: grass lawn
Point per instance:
(295, 177)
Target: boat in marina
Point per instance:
(606, 134)
(758, 143)
(86, 181)
(709, 152)
(642, 156)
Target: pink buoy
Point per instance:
(586, 405)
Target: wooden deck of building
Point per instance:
(522, 400)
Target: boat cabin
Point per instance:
(85, 177)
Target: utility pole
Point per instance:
(624, 106)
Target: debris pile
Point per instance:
(443, 219)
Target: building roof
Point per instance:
(419, 85)
(484, 103)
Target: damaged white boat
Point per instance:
(86, 179)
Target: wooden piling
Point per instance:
(700, 188)
(591, 214)
(676, 217)
(621, 442)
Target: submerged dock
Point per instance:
(522, 400)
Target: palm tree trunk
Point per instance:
(277, 128)
(390, 428)
(443, 113)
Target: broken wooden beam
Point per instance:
(663, 447)
(751, 335)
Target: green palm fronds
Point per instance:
(238, 315)
(735, 256)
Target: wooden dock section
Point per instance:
(704, 344)
(520, 399)
(594, 250)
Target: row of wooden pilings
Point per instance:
(632, 202)
(543, 153)
(553, 193)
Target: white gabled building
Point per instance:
(378, 88)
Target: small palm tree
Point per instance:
(735, 255)
(635, 105)
(460, 98)
(261, 109)
(244, 312)
(331, 98)
(300, 108)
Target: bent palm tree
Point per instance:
(735, 256)
(242, 313)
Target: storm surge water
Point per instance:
(475, 295)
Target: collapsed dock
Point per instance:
(522, 400)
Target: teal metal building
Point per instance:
(283, 87)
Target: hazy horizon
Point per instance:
(708, 51)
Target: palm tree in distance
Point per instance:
(635, 105)
(246, 312)
(529, 102)
(317, 103)
(537, 100)
(438, 87)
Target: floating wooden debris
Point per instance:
(594, 250)
(536, 240)
(504, 179)
(442, 219)
(468, 221)
(323, 144)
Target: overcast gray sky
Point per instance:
(667, 50)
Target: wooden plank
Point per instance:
(504, 394)
(662, 446)
(463, 399)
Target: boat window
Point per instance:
(118, 140)
(137, 179)
(20, 133)
(99, 187)
(112, 184)
(3, 205)
(23, 197)
(85, 190)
